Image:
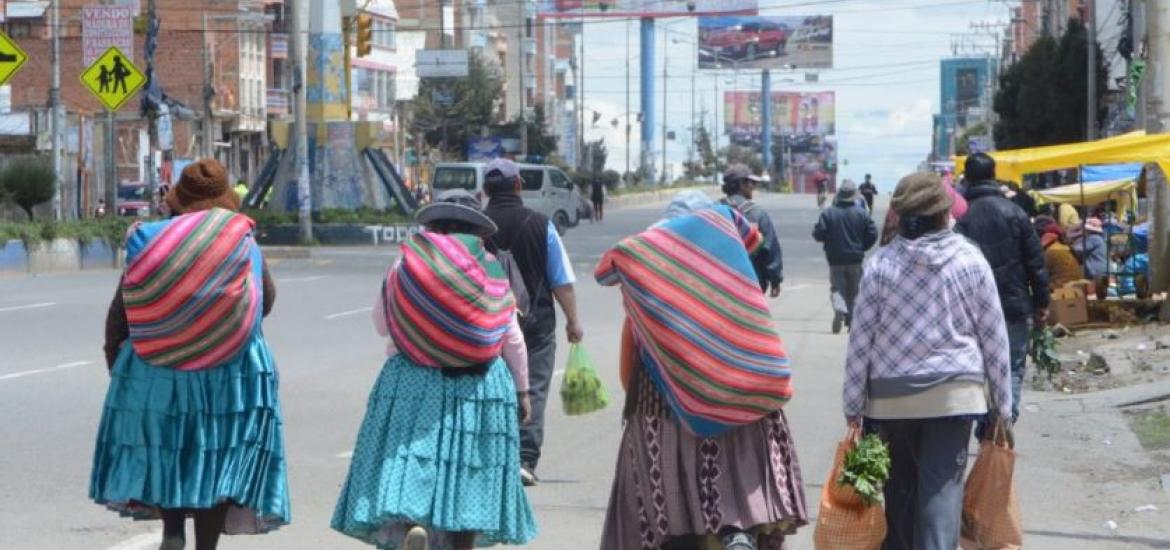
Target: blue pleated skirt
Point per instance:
(174, 439)
(438, 451)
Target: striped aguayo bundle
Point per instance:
(700, 322)
(191, 299)
(450, 302)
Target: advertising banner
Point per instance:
(105, 27)
(796, 42)
(644, 8)
(803, 127)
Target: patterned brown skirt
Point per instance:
(673, 489)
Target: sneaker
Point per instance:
(172, 543)
(738, 540)
(838, 320)
(416, 539)
(527, 477)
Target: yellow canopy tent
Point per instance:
(1013, 164)
(1091, 194)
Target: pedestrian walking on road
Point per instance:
(437, 460)
(928, 337)
(869, 191)
(1005, 235)
(739, 184)
(707, 458)
(544, 265)
(847, 233)
(192, 423)
(597, 197)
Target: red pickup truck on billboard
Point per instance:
(748, 41)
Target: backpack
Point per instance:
(508, 262)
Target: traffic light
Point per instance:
(365, 35)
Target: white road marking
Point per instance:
(28, 306)
(301, 279)
(141, 542)
(341, 314)
(40, 371)
(346, 454)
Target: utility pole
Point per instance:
(1091, 71)
(152, 117)
(581, 93)
(627, 117)
(58, 122)
(1157, 117)
(299, 141)
(208, 91)
(665, 76)
(522, 33)
(715, 129)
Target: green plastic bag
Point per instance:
(581, 390)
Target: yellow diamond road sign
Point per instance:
(11, 58)
(113, 78)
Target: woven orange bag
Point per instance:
(845, 522)
(991, 511)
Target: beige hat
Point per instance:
(920, 194)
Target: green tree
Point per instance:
(28, 183)
(703, 165)
(1042, 98)
(596, 155)
(733, 154)
(450, 110)
(541, 143)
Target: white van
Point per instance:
(546, 188)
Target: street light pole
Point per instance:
(300, 140)
(665, 77)
(58, 124)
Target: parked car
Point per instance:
(132, 200)
(546, 188)
(748, 41)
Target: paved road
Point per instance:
(53, 380)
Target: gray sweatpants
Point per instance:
(542, 353)
(924, 496)
(844, 280)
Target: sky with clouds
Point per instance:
(885, 75)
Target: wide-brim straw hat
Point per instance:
(457, 205)
(203, 185)
(921, 194)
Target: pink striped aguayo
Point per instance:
(191, 296)
(699, 319)
(451, 302)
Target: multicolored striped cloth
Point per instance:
(192, 299)
(699, 320)
(448, 303)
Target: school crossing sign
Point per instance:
(113, 78)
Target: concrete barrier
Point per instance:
(54, 255)
(644, 198)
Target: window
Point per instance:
(453, 178)
(385, 33)
(533, 179)
(559, 179)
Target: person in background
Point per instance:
(597, 197)
(1067, 215)
(548, 275)
(1022, 199)
(1005, 235)
(100, 210)
(1134, 271)
(709, 463)
(1090, 247)
(928, 340)
(437, 460)
(847, 233)
(868, 190)
(739, 185)
(1059, 260)
(192, 419)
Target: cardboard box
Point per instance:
(1069, 307)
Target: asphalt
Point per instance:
(53, 381)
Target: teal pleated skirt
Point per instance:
(172, 439)
(438, 451)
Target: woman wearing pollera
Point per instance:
(706, 458)
(192, 422)
(437, 460)
(928, 338)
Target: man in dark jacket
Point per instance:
(544, 265)
(869, 191)
(1004, 233)
(847, 232)
(739, 185)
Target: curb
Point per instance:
(1109, 399)
(287, 252)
